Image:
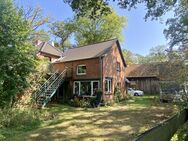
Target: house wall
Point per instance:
(50, 57)
(149, 85)
(92, 72)
(110, 70)
(92, 68)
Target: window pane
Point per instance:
(82, 69)
(110, 85)
(95, 87)
(76, 88)
(106, 85)
(85, 88)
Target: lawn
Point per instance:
(123, 121)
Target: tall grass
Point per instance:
(15, 120)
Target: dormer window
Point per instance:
(81, 69)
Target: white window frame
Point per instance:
(81, 73)
(92, 86)
(109, 84)
(91, 83)
(78, 87)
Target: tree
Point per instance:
(35, 20)
(178, 26)
(16, 59)
(89, 8)
(63, 30)
(158, 54)
(130, 57)
(88, 31)
(109, 26)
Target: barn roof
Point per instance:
(142, 70)
(166, 71)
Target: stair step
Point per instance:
(48, 88)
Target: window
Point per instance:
(118, 66)
(87, 88)
(81, 69)
(76, 88)
(108, 85)
(94, 87)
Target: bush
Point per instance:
(181, 134)
(117, 95)
(77, 102)
(14, 120)
(18, 118)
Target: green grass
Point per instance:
(123, 121)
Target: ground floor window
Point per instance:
(88, 88)
(108, 85)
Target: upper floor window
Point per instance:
(81, 69)
(118, 66)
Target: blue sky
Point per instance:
(139, 35)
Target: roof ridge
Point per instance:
(94, 43)
(43, 43)
(55, 47)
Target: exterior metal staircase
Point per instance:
(44, 94)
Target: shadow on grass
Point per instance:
(118, 122)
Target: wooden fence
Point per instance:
(165, 130)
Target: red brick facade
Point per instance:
(92, 71)
(110, 71)
(99, 69)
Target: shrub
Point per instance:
(181, 134)
(78, 102)
(14, 120)
(117, 95)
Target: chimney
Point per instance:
(52, 43)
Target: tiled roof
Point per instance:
(47, 48)
(89, 51)
(142, 70)
(166, 71)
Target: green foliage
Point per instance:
(117, 94)
(16, 120)
(89, 8)
(181, 134)
(130, 57)
(156, 54)
(77, 102)
(100, 7)
(35, 19)
(16, 59)
(104, 28)
(178, 25)
(63, 30)
(88, 31)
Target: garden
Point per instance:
(121, 121)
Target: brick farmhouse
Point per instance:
(92, 67)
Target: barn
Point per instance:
(144, 77)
